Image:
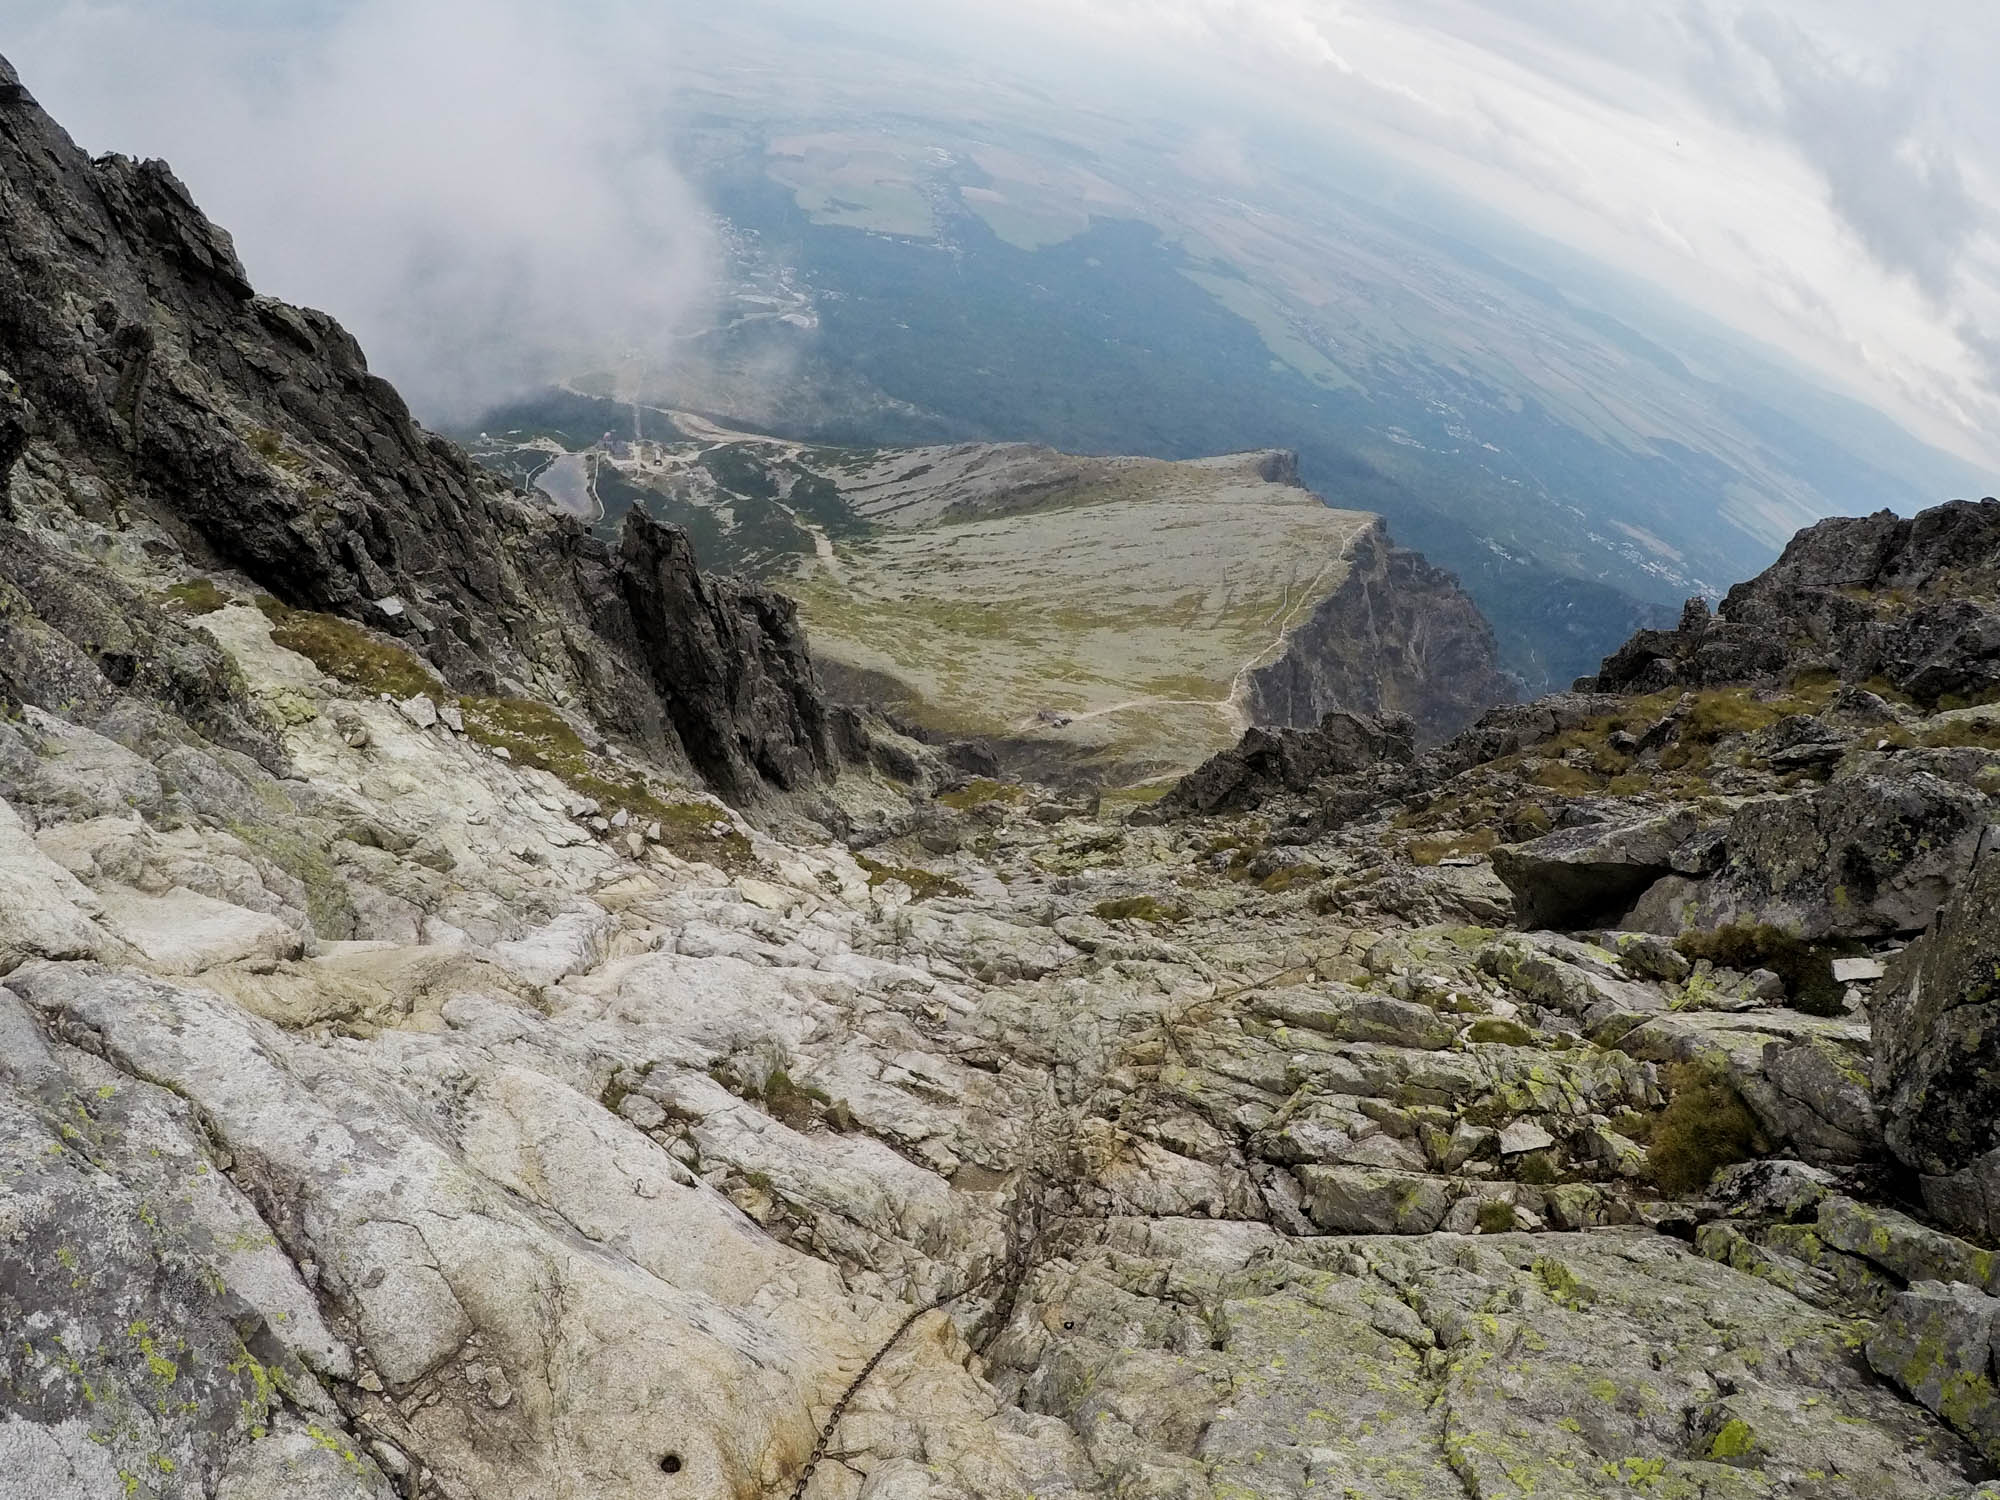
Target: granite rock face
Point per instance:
(150, 391)
(1399, 636)
(1937, 1061)
(412, 1090)
(1907, 600)
(730, 663)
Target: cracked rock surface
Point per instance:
(415, 1081)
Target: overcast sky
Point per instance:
(472, 183)
(1820, 174)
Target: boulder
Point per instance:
(1865, 857)
(1937, 1342)
(1374, 1200)
(1268, 761)
(1936, 1067)
(1579, 877)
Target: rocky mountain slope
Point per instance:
(181, 416)
(413, 1084)
(1101, 620)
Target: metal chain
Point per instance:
(853, 1386)
(1013, 1273)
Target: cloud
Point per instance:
(1818, 174)
(479, 189)
(1863, 128)
(479, 186)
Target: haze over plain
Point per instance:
(1597, 303)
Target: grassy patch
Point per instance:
(1559, 776)
(1806, 968)
(534, 734)
(1496, 1217)
(980, 792)
(1705, 1127)
(348, 653)
(269, 445)
(794, 1104)
(1724, 713)
(924, 884)
(1291, 877)
(1436, 851)
(328, 901)
(1967, 734)
(1136, 909)
(1495, 1029)
(196, 597)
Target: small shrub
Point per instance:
(196, 597)
(1806, 968)
(1635, 1125)
(1136, 909)
(1496, 1217)
(1705, 1127)
(977, 793)
(1539, 1169)
(923, 884)
(348, 653)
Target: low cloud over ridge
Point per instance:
(478, 188)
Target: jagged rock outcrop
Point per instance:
(1398, 636)
(1267, 761)
(153, 393)
(729, 660)
(1937, 1057)
(1911, 601)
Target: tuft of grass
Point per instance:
(924, 884)
(1496, 1217)
(1705, 1127)
(977, 793)
(1806, 968)
(1137, 909)
(1559, 776)
(329, 902)
(534, 734)
(269, 445)
(796, 1105)
(1496, 1029)
(1290, 878)
(196, 597)
(348, 653)
(1436, 851)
